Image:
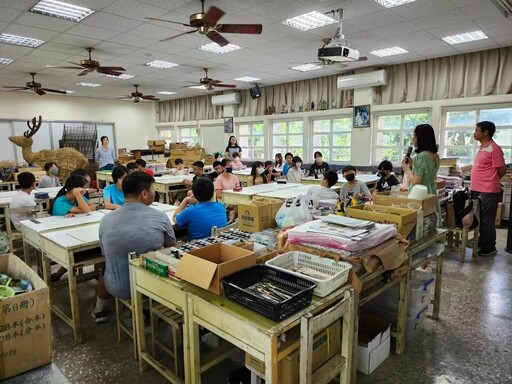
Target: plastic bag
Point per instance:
(294, 212)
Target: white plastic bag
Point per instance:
(294, 212)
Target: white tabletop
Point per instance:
(256, 189)
(163, 207)
(52, 192)
(242, 172)
(168, 179)
(286, 193)
(367, 179)
(75, 237)
(51, 223)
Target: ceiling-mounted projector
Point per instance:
(338, 53)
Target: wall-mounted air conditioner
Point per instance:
(369, 79)
(226, 99)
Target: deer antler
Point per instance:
(34, 128)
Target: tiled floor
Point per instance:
(471, 343)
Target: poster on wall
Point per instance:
(228, 125)
(361, 116)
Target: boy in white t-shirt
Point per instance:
(324, 191)
(22, 199)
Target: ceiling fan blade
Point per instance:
(362, 58)
(39, 91)
(215, 82)
(83, 73)
(15, 86)
(62, 67)
(226, 85)
(213, 15)
(169, 21)
(181, 34)
(149, 97)
(112, 68)
(106, 71)
(18, 89)
(254, 29)
(70, 62)
(217, 38)
(54, 90)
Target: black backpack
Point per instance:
(463, 208)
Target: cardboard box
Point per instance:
(205, 267)
(25, 322)
(256, 216)
(175, 152)
(192, 154)
(325, 345)
(261, 252)
(179, 146)
(275, 205)
(405, 219)
(428, 205)
(374, 341)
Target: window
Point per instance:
(251, 137)
(332, 137)
(460, 126)
(288, 136)
(394, 134)
(166, 134)
(189, 134)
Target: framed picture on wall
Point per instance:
(228, 125)
(361, 116)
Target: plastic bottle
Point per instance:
(340, 209)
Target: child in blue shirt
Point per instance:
(70, 200)
(201, 217)
(288, 164)
(113, 196)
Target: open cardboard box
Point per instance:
(428, 204)
(374, 342)
(257, 215)
(205, 267)
(262, 252)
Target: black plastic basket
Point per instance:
(235, 284)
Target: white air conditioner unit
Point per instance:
(226, 99)
(369, 79)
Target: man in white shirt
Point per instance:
(22, 199)
(324, 191)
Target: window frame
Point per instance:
(250, 150)
(375, 131)
(186, 139)
(288, 148)
(331, 134)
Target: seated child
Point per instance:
(180, 168)
(22, 198)
(113, 195)
(353, 188)
(387, 178)
(236, 163)
(201, 217)
(324, 191)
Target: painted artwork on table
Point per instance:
(361, 116)
(228, 125)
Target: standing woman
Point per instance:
(257, 177)
(278, 160)
(105, 155)
(423, 169)
(232, 148)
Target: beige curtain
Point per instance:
(467, 75)
(191, 108)
(297, 93)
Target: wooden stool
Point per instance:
(459, 237)
(121, 305)
(175, 321)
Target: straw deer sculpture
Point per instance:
(68, 159)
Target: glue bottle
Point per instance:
(340, 209)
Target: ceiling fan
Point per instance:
(338, 48)
(90, 65)
(206, 24)
(210, 83)
(36, 87)
(138, 96)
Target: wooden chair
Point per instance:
(460, 236)
(216, 231)
(14, 234)
(310, 325)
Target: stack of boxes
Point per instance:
(188, 155)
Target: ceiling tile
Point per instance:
(109, 21)
(35, 33)
(166, 4)
(376, 20)
(453, 29)
(412, 37)
(423, 8)
(438, 20)
(401, 28)
(134, 9)
(92, 32)
(464, 3)
(504, 41)
(77, 41)
(476, 45)
(22, 5)
(61, 48)
(438, 52)
(133, 40)
(492, 21)
(14, 51)
(45, 22)
(418, 46)
(505, 30)
(481, 9)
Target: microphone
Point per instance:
(407, 156)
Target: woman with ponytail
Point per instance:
(70, 200)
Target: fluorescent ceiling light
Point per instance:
(385, 52)
(308, 21)
(198, 87)
(61, 10)
(393, 3)
(123, 76)
(216, 48)
(161, 64)
(20, 40)
(465, 37)
(247, 79)
(166, 93)
(92, 85)
(5, 61)
(306, 67)
(69, 91)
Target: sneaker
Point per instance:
(483, 253)
(99, 316)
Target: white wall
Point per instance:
(134, 123)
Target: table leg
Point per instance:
(138, 332)
(47, 273)
(271, 364)
(347, 341)
(355, 330)
(193, 344)
(438, 285)
(26, 252)
(73, 297)
(402, 313)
